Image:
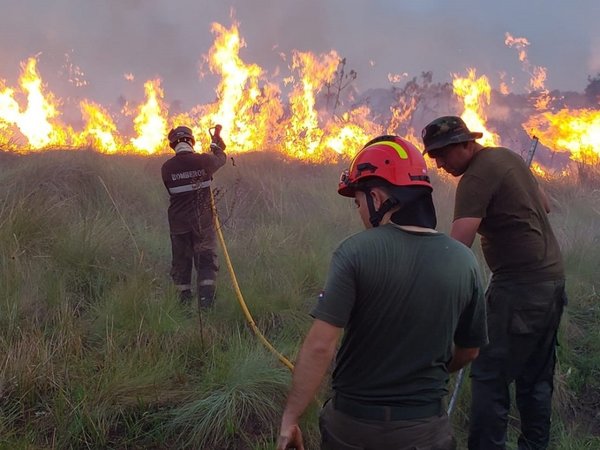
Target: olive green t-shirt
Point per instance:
(403, 299)
(516, 237)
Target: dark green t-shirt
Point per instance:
(403, 299)
(516, 237)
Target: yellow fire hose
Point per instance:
(238, 292)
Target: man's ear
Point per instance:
(379, 197)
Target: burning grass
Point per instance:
(97, 353)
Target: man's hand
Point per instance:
(291, 437)
(216, 140)
(313, 361)
(461, 356)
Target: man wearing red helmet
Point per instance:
(498, 197)
(187, 177)
(410, 302)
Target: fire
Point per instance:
(258, 114)
(504, 89)
(246, 108)
(346, 136)
(35, 121)
(303, 135)
(151, 122)
(537, 74)
(574, 131)
(250, 108)
(100, 129)
(475, 94)
(538, 170)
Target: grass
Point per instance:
(95, 351)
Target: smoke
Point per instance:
(594, 58)
(105, 40)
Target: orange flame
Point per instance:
(574, 131)
(475, 93)
(348, 135)
(151, 122)
(537, 74)
(245, 109)
(256, 116)
(35, 121)
(303, 134)
(538, 170)
(100, 129)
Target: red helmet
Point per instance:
(390, 158)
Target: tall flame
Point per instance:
(151, 122)
(238, 92)
(35, 121)
(537, 74)
(257, 115)
(475, 95)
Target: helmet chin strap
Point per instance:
(375, 216)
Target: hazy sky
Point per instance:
(167, 38)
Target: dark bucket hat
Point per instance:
(446, 130)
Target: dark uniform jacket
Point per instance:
(187, 177)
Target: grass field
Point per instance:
(95, 352)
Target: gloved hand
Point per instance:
(217, 142)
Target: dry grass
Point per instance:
(95, 351)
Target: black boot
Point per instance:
(185, 297)
(206, 296)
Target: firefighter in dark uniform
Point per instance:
(187, 177)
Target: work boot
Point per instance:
(206, 297)
(206, 302)
(185, 297)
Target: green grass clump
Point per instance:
(239, 400)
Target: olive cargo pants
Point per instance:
(523, 321)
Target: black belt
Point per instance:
(386, 413)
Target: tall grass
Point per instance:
(95, 351)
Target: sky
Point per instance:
(99, 41)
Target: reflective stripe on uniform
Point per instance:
(189, 187)
(206, 282)
(183, 287)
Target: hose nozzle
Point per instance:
(215, 131)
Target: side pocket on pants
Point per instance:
(331, 442)
(328, 440)
(528, 320)
(537, 310)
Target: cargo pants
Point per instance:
(196, 249)
(341, 431)
(523, 321)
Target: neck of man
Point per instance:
(183, 147)
(415, 228)
(477, 147)
(387, 218)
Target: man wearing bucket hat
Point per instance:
(498, 198)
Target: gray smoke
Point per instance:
(155, 38)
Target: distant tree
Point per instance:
(592, 90)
